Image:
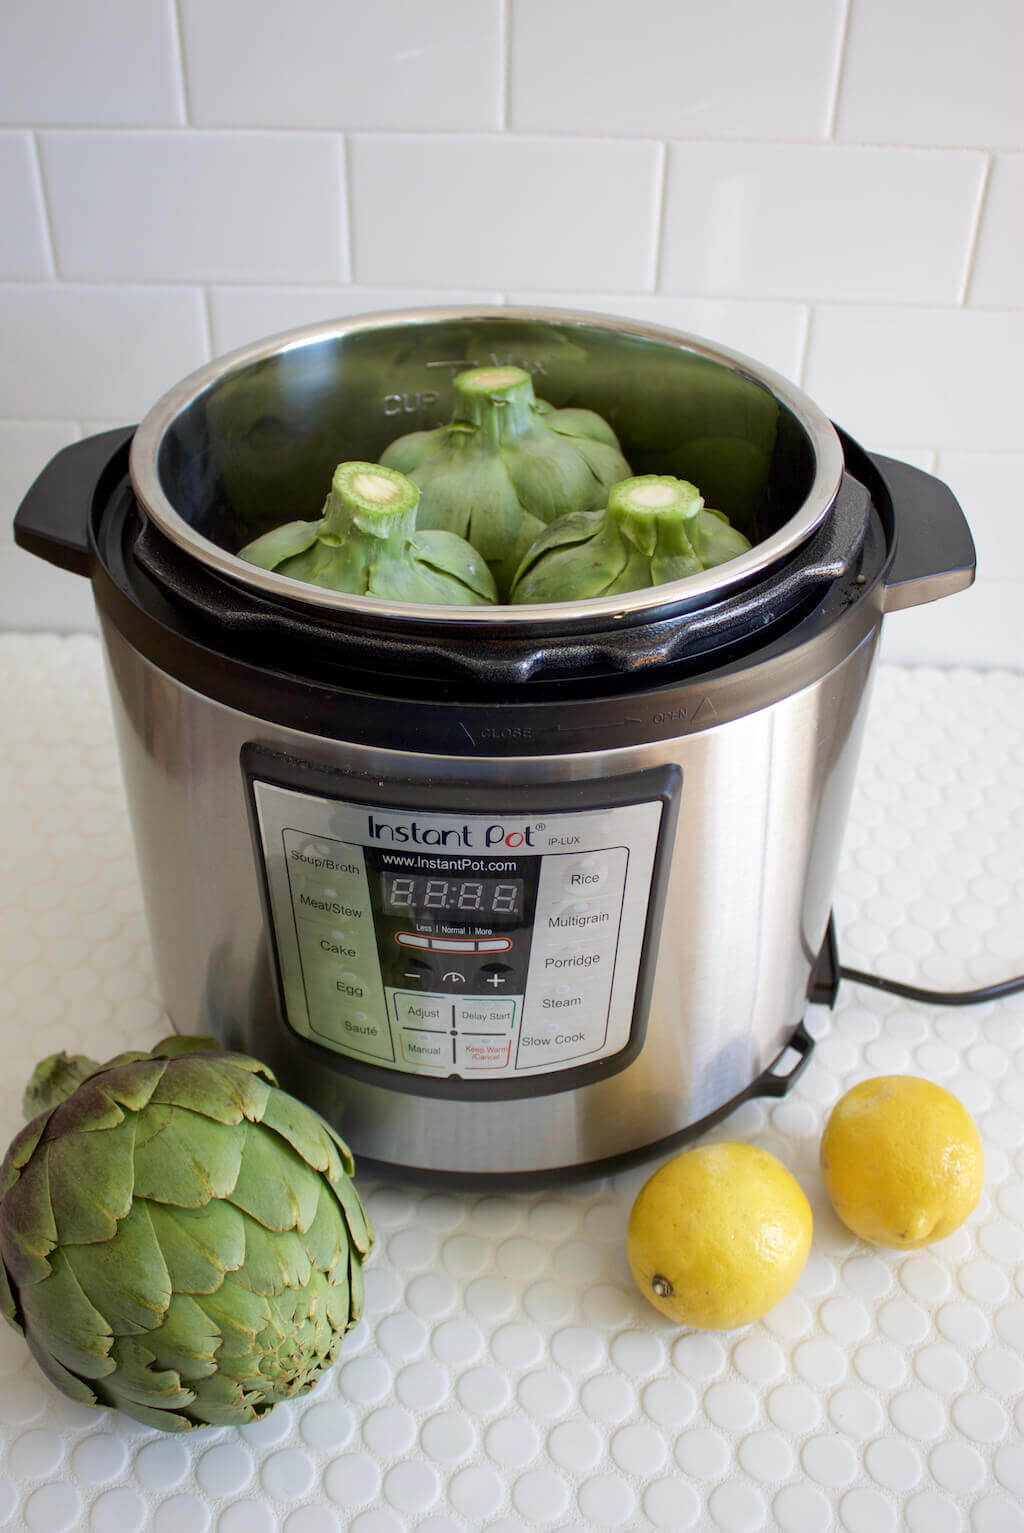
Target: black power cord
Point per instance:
(940, 997)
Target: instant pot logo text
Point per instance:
(412, 833)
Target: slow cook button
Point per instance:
(430, 1011)
(485, 1016)
(426, 1050)
(545, 1041)
(473, 1052)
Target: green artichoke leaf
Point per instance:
(551, 477)
(466, 490)
(281, 543)
(275, 1260)
(275, 1185)
(716, 540)
(188, 1341)
(28, 1232)
(214, 1087)
(406, 453)
(582, 559)
(184, 1159)
(68, 1383)
(357, 1288)
(8, 1303)
(358, 1228)
(327, 1240)
(126, 1279)
(454, 558)
(19, 1153)
(193, 1043)
(64, 1322)
(199, 1245)
(306, 1132)
(587, 426)
(348, 1164)
(99, 1102)
(91, 1179)
(140, 1380)
(53, 1079)
(220, 1402)
(241, 1316)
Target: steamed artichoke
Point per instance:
(507, 465)
(654, 529)
(179, 1239)
(366, 542)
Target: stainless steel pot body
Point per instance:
(762, 807)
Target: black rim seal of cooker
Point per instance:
(507, 660)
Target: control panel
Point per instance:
(440, 943)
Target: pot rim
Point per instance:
(652, 604)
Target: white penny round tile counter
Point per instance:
(507, 1375)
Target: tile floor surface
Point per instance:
(507, 1376)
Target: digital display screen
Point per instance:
(481, 899)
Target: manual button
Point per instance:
(433, 1050)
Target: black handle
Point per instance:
(770, 1083)
(53, 518)
(934, 553)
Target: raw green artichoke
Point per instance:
(179, 1239)
(367, 542)
(507, 465)
(655, 529)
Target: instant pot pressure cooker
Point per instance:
(515, 890)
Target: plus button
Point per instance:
(495, 980)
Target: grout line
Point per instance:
(206, 307)
(179, 43)
(659, 217)
(804, 343)
(347, 211)
(505, 72)
(837, 77)
(975, 232)
(44, 207)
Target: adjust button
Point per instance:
(430, 1011)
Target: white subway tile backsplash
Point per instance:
(998, 276)
(89, 62)
(493, 212)
(25, 449)
(981, 627)
(35, 596)
(243, 314)
(947, 376)
(343, 63)
(990, 487)
(24, 248)
(770, 333)
(674, 68)
(186, 206)
(76, 352)
(809, 222)
(933, 72)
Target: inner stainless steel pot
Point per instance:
(251, 440)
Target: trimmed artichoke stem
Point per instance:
(374, 499)
(53, 1080)
(655, 508)
(498, 400)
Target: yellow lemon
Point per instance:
(719, 1235)
(902, 1161)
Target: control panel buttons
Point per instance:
(430, 1011)
(486, 1016)
(355, 1031)
(431, 1049)
(473, 1052)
